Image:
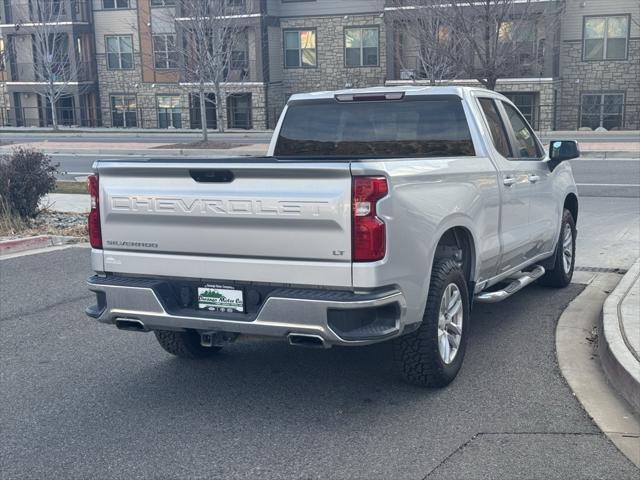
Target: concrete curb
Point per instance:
(15, 245)
(576, 354)
(153, 152)
(619, 361)
(610, 155)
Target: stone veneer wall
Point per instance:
(129, 82)
(275, 102)
(544, 102)
(544, 89)
(331, 72)
(615, 76)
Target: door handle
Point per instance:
(509, 181)
(534, 178)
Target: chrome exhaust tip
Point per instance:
(130, 324)
(306, 340)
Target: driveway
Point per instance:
(84, 400)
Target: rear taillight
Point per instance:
(95, 233)
(368, 231)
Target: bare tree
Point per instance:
(210, 36)
(494, 38)
(53, 63)
(425, 46)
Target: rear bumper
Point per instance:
(338, 317)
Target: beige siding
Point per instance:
(276, 61)
(575, 13)
(114, 22)
(324, 7)
(162, 20)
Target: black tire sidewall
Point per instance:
(567, 218)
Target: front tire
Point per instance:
(184, 344)
(432, 355)
(565, 257)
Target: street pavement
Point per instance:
(171, 136)
(83, 400)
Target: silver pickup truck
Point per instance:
(377, 214)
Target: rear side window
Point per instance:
(419, 127)
(498, 132)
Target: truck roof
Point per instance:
(406, 89)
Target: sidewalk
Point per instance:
(619, 343)
(67, 202)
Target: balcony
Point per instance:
(14, 12)
(31, 72)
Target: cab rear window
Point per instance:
(430, 126)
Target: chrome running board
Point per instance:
(516, 285)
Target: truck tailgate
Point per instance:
(247, 213)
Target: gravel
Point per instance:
(47, 223)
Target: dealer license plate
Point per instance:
(220, 299)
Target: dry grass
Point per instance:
(63, 186)
(10, 225)
(211, 144)
(46, 223)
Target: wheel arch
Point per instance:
(459, 238)
(571, 204)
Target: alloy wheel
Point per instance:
(450, 323)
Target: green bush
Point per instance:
(26, 175)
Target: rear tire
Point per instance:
(564, 259)
(184, 344)
(421, 356)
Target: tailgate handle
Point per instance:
(212, 176)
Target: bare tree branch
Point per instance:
(53, 63)
(491, 39)
(211, 39)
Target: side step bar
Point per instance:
(516, 285)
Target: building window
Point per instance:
(602, 110)
(169, 111)
(605, 38)
(239, 110)
(114, 4)
(119, 52)
(300, 48)
(361, 47)
(123, 111)
(165, 55)
(163, 3)
(210, 111)
(526, 103)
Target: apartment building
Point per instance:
(583, 72)
(28, 66)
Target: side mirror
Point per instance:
(561, 150)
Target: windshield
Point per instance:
(433, 126)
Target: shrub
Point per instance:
(26, 175)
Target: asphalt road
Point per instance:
(596, 178)
(83, 400)
(169, 136)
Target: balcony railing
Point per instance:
(62, 72)
(19, 12)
